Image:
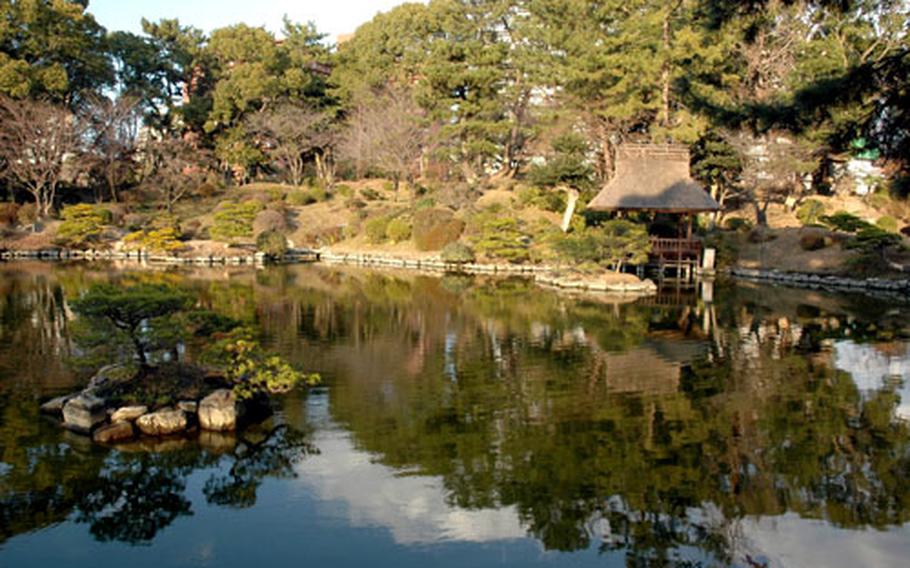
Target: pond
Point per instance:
(480, 422)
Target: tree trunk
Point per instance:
(571, 201)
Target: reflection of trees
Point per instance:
(258, 456)
(755, 426)
(131, 496)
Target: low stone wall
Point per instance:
(807, 280)
(144, 256)
(363, 259)
(641, 288)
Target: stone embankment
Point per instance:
(808, 280)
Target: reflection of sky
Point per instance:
(358, 491)
(791, 542)
(412, 507)
(870, 368)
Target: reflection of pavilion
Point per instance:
(653, 367)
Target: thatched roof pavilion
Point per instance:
(655, 178)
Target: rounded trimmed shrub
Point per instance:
(887, 223)
(398, 230)
(272, 243)
(810, 212)
(269, 220)
(457, 252)
(435, 228)
(376, 229)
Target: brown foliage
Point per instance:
(435, 228)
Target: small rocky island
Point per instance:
(222, 380)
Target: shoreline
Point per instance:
(542, 274)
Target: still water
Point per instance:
(477, 422)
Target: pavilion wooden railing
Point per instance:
(675, 249)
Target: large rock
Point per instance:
(83, 412)
(128, 413)
(220, 411)
(113, 433)
(55, 405)
(162, 423)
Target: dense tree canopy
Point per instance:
(487, 85)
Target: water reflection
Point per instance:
(746, 430)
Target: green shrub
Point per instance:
(376, 229)
(546, 199)
(82, 224)
(345, 191)
(371, 194)
(269, 221)
(615, 243)
(502, 238)
(318, 193)
(871, 239)
(846, 222)
(810, 212)
(27, 214)
(433, 229)
(738, 224)
(457, 253)
(272, 243)
(887, 223)
(424, 203)
(398, 230)
(813, 241)
(8, 213)
(388, 186)
(300, 198)
(235, 220)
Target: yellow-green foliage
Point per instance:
(252, 370)
(810, 212)
(398, 230)
(164, 240)
(887, 223)
(82, 224)
(376, 229)
(502, 237)
(235, 220)
(304, 197)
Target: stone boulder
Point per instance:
(55, 405)
(113, 433)
(128, 413)
(83, 412)
(188, 406)
(164, 422)
(220, 411)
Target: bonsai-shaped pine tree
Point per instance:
(136, 318)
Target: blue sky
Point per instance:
(331, 16)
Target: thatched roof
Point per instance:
(653, 177)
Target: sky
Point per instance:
(332, 17)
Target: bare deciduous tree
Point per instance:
(293, 134)
(40, 144)
(113, 133)
(386, 133)
(178, 169)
